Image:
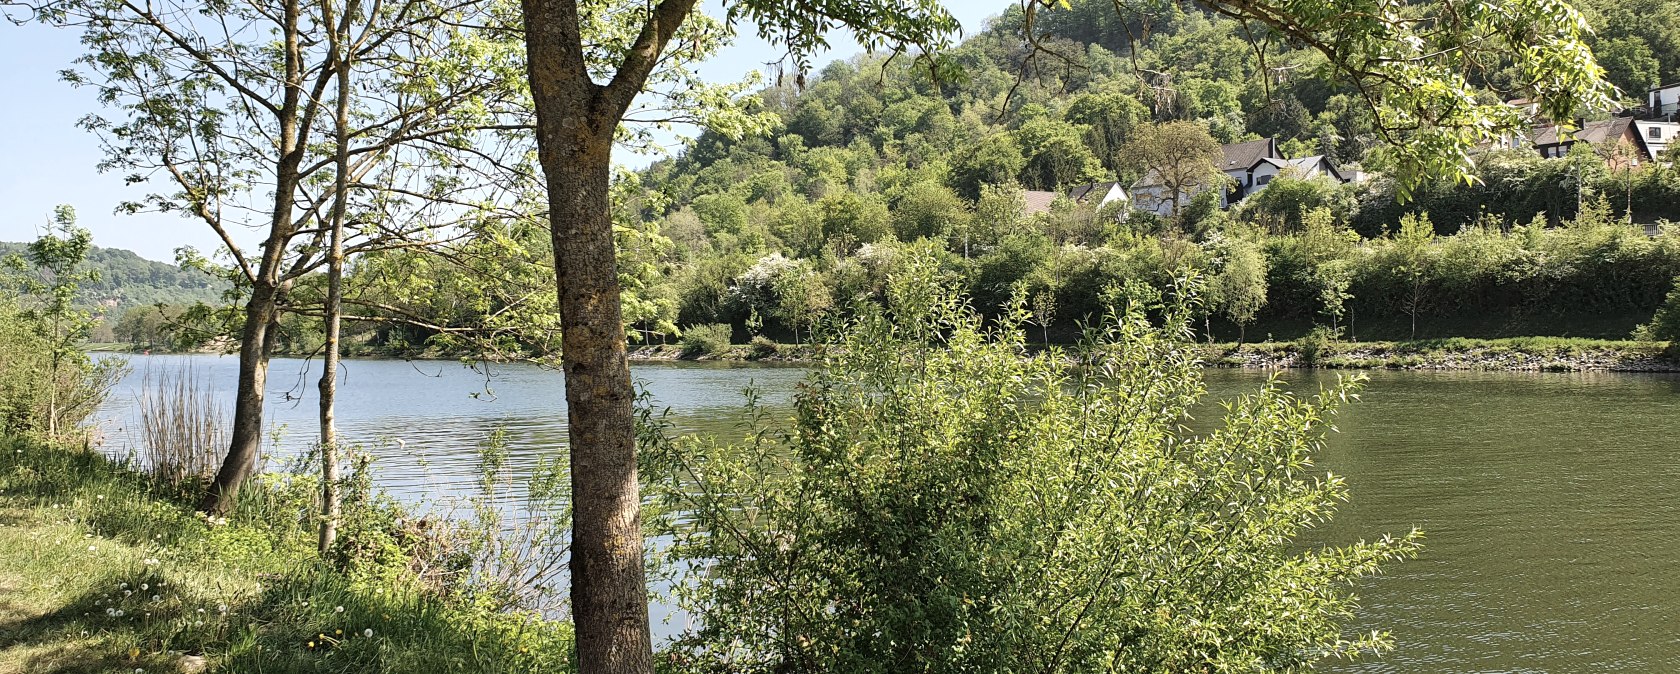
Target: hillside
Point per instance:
(127, 280)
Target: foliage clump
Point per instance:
(947, 502)
(705, 340)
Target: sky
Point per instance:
(45, 160)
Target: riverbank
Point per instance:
(1534, 354)
(1519, 354)
(1549, 354)
(102, 571)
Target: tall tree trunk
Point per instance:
(335, 286)
(247, 403)
(609, 596)
(575, 126)
(262, 310)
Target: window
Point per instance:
(1264, 179)
(1654, 132)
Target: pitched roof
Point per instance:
(1081, 192)
(1590, 133)
(1240, 156)
(1038, 201)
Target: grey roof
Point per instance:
(1590, 133)
(1081, 192)
(1244, 155)
(1038, 201)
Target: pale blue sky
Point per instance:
(45, 160)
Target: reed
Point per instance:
(182, 427)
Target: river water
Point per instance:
(1551, 502)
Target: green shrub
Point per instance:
(711, 339)
(1665, 325)
(1314, 346)
(763, 347)
(947, 503)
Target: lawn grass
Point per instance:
(100, 572)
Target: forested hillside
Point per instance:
(127, 285)
(771, 233)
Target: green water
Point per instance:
(1551, 501)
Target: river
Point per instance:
(1551, 502)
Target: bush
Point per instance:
(762, 347)
(946, 503)
(1665, 326)
(711, 339)
(1315, 345)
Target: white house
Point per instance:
(1098, 194)
(1268, 168)
(1657, 135)
(1664, 102)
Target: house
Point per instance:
(1038, 201)
(1098, 194)
(1248, 167)
(1664, 103)
(1656, 135)
(1095, 194)
(1268, 168)
(1551, 142)
(1239, 161)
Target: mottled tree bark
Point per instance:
(576, 120)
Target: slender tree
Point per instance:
(230, 107)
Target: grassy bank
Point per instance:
(101, 572)
(1554, 354)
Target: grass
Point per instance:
(1546, 353)
(100, 571)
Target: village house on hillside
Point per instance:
(1249, 166)
(1647, 131)
(1094, 194)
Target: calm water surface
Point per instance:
(1551, 501)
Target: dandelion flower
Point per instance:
(91, 548)
(156, 598)
(144, 586)
(367, 632)
(338, 609)
(311, 644)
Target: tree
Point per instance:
(232, 114)
(1240, 285)
(1056, 155)
(568, 45)
(57, 257)
(1414, 247)
(802, 297)
(1180, 157)
(1110, 118)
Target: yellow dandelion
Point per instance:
(311, 644)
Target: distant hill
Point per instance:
(128, 280)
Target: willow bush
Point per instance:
(946, 501)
